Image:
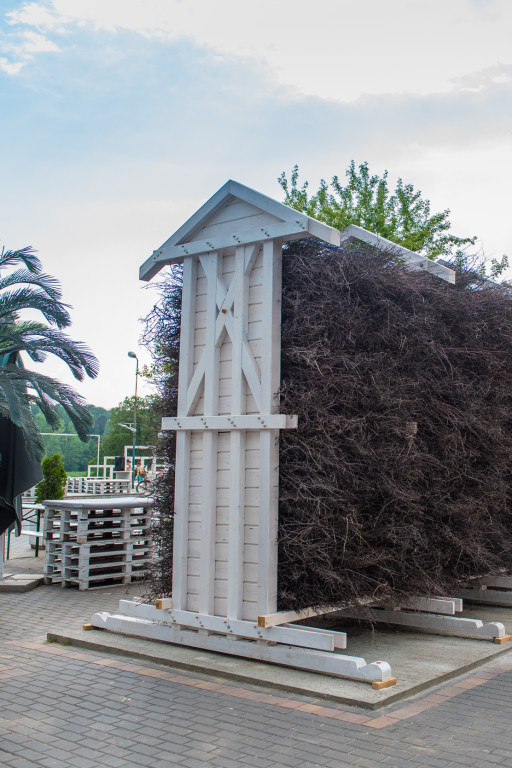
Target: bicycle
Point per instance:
(145, 487)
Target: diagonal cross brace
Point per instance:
(225, 324)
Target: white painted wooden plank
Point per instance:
(255, 328)
(235, 209)
(249, 574)
(201, 303)
(256, 294)
(223, 475)
(488, 596)
(212, 266)
(217, 229)
(336, 664)
(226, 351)
(183, 440)
(339, 638)
(224, 405)
(193, 602)
(251, 554)
(252, 374)
(221, 592)
(304, 637)
(251, 596)
(251, 534)
(414, 260)
(503, 582)
(285, 617)
(270, 421)
(252, 252)
(433, 605)
(195, 387)
(176, 253)
(269, 456)
(240, 286)
(432, 623)
(200, 319)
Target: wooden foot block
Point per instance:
(87, 627)
(380, 684)
(164, 603)
(500, 640)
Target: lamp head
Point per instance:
(132, 354)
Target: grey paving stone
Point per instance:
(20, 762)
(83, 714)
(82, 762)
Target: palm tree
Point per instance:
(24, 286)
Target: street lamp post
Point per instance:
(132, 354)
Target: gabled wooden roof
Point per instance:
(238, 215)
(235, 215)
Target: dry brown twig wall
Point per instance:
(398, 480)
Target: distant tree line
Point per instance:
(105, 422)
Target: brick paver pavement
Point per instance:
(62, 707)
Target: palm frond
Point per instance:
(15, 406)
(11, 403)
(50, 285)
(25, 255)
(11, 302)
(45, 392)
(37, 339)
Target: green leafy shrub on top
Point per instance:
(54, 479)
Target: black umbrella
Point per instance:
(18, 473)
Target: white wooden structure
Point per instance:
(228, 423)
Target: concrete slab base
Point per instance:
(419, 661)
(20, 582)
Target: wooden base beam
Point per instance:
(430, 623)
(488, 596)
(338, 665)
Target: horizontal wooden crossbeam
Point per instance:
(226, 423)
(301, 226)
(304, 637)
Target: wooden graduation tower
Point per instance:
(224, 580)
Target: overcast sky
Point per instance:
(121, 117)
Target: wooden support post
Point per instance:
(269, 448)
(237, 441)
(210, 264)
(182, 483)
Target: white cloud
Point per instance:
(33, 42)
(21, 44)
(336, 50)
(35, 15)
(10, 68)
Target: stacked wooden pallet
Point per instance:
(94, 541)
